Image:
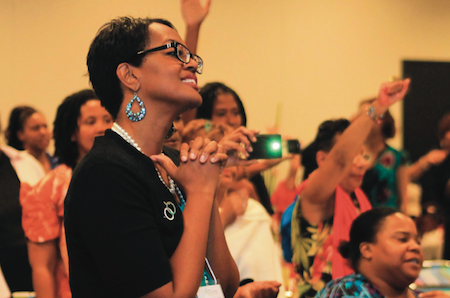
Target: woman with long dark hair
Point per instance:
(79, 119)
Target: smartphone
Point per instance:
(266, 147)
(293, 146)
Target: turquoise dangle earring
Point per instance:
(139, 115)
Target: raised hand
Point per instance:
(392, 92)
(194, 13)
(435, 157)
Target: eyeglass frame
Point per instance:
(174, 44)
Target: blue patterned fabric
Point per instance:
(353, 285)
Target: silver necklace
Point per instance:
(172, 186)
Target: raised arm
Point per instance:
(318, 194)
(194, 13)
(434, 157)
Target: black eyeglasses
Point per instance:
(182, 52)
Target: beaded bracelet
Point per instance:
(371, 113)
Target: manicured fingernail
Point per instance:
(192, 155)
(214, 159)
(202, 158)
(184, 158)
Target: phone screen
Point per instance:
(266, 147)
(293, 146)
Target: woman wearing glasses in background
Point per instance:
(136, 224)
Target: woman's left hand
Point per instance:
(194, 13)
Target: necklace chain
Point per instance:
(172, 186)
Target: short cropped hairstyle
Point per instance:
(17, 119)
(116, 42)
(209, 94)
(364, 229)
(66, 124)
(327, 131)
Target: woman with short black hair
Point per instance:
(137, 225)
(384, 250)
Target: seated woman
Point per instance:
(384, 250)
(79, 119)
(330, 199)
(136, 224)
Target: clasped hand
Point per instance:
(200, 166)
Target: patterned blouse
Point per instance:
(316, 251)
(354, 286)
(380, 182)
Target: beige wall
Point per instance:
(314, 59)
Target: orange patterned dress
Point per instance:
(43, 219)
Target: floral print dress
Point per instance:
(312, 255)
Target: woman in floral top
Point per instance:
(79, 119)
(384, 250)
(330, 199)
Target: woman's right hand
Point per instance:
(200, 167)
(435, 157)
(237, 145)
(390, 93)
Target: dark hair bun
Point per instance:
(345, 249)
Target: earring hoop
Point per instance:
(142, 111)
